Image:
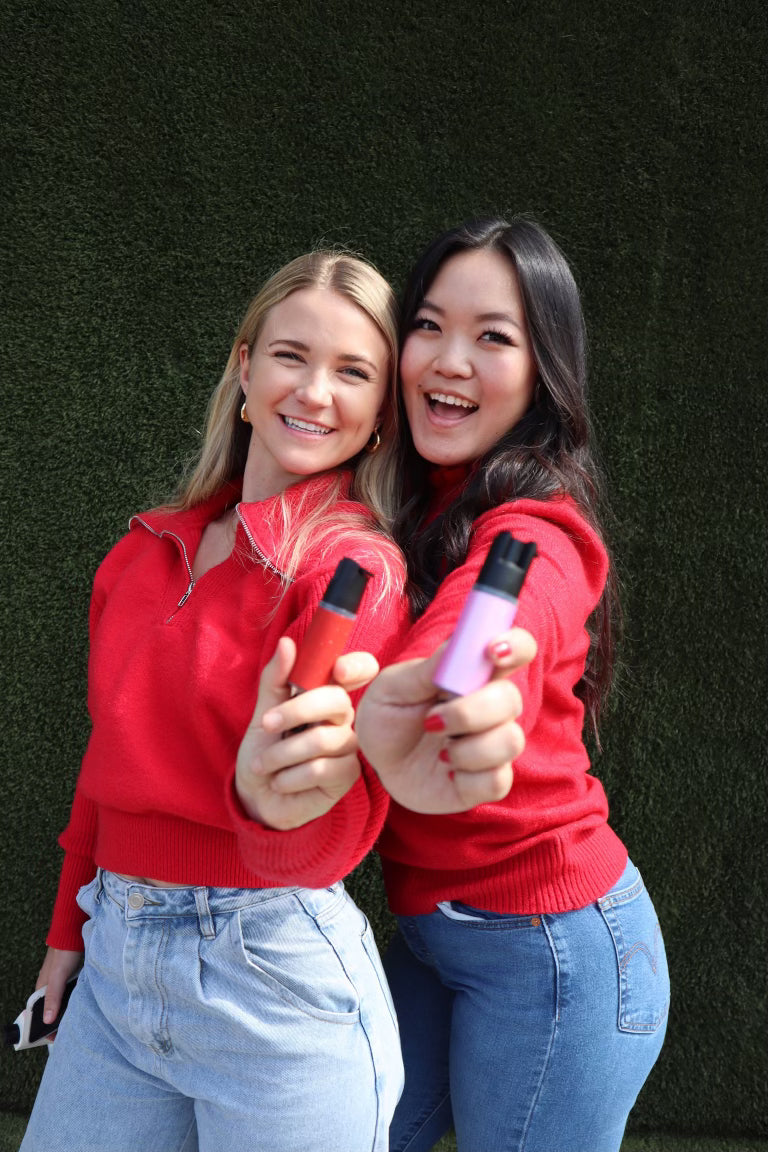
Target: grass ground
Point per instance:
(12, 1130)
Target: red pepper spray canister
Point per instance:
(331, 626)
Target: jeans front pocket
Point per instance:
(294, 959)
(643, 977)
(87, 900)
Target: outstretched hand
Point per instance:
(299, 754)
(436, 756)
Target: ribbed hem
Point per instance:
(178, 851)
(318, 853)
(556, 875)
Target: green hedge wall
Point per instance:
(159, 159)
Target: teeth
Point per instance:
(455, 400)
(305, 426)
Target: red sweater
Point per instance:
(547, 846)
(173, 678)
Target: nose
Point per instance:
(452, 360)
(316, 391)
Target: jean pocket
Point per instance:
(86, 897)
(643, 977)
(87, 901)
(483, 920)
(297, 963)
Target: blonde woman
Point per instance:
(232, 995)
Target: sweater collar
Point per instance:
(261, 521)
(189, 521)
(445, 484)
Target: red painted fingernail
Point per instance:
(444, 755)
(501, 650)
(434, 724)
(451, 774)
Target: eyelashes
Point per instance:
(498, 337)
(346, 369)
(488, 335)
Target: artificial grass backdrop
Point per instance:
(160, 159)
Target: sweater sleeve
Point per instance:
(78, 869)
(78, 838)
(325, 849)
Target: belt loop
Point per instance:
(99, 885)
(205, 919)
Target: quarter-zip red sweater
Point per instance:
(547, 846)
(173, 678)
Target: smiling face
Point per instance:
(467, 366)
(315, 381)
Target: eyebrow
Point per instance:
(482, 316)
(348, 357)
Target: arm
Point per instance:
(65, 943)
(562, 588)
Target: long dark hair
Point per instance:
(547, 453)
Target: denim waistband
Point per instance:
(145, 900)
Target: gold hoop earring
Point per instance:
(244, 414)
(372, 448)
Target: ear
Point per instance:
(245, 367)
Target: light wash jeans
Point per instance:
(531, 1033)
(221, 1019)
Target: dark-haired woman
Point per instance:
(529, 971)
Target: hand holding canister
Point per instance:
(489, 610)
(299, 755)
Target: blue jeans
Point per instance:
(530, 1033)
(221, 1019)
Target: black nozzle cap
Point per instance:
(506, 564)
(347, 585)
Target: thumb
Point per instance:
(354, 670)
(274, 688)
(408, 682)
(53, 993)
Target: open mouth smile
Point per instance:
(450, 406)
(305, 426)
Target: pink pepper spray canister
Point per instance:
(489, 609)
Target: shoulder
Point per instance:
(348, 529)
(145, 529)
(374, 552)
(563, 536)
(120, 556)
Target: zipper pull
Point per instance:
(186, 595)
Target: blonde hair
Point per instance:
(226, 437)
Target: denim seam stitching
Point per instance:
(342, 899)
(553, 1034)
